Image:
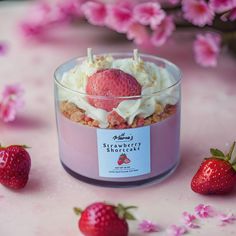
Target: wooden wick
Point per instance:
(90, 55)
(136, 56)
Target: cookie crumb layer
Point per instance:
(75, 114)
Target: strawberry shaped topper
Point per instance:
(111, 83)
(217, 174)
(15, 165)
(102, 219)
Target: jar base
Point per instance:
(127, 184)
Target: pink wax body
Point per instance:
(79, 153)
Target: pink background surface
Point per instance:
(44, 207)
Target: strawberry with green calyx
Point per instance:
(15, 166)
(217, 174)
(103, 219)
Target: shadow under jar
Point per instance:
(131, 154)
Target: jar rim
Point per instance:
(122, 54)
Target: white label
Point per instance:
(123, 152)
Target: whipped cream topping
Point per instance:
(151, 77)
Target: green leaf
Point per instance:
(130, 207)
(77, 210)
(216, 152)
(123, 212)
(129, 216)
(229, 154)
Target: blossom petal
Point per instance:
(206, 49)
(148, 226)
(204, 211)
(7, 112)
(163, 31)
(95, 12)
(138, 33)
(227, 218)
(175, 230)
(198, 12)
(189, 220)
(149, 13)
(12, 90)
(119, 18)
(11, 102)
(220, 6)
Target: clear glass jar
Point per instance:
(120, 155)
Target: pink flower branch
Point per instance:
(146, 21)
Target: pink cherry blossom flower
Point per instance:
(175, 230)
(138, 33)
(206, 49)
(147, 226)
(68, 9)
(227, 219)
(12, 91)
(29, 29)
(95, 12)
(7, 111)
(204, 211)
(163, 31)
(197, 12)
(11, 102)
(3, 48)
(189, 220)
(119, 18)
(43, 15)
(149, 13)
(36, 20)
(220, 6)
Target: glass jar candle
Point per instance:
(119, 141)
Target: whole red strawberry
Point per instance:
(111, 83)
(216, 175)
(14, 166)
(101, 219)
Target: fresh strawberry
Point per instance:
(216, 175)
(14, 166)
(101, 219)
(111, 83)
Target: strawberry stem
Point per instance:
(77, 211)
(229, 154)
(123, 212)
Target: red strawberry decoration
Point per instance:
(216, 175)
(101, 219)
(127, 160)
(120, 162)
(123, 159)
(15, 165)
(111, 83)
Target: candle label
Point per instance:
(123, 152)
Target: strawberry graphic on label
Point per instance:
(127, 160)
(123, 159)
